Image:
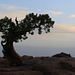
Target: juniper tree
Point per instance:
(19, 30)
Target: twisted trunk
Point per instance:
(10, 53)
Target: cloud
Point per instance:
(43, 36)
(72, 16)
(59, 31)
(61, 28)
(39, 10)
(7, 7)
(13, 11)
(3, 5)
(11, 7)
(19, 14)
(55, 13)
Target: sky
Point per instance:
(61, 11)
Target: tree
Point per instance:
(19, 30)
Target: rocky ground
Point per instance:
(59, 64)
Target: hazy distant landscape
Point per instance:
(41, 51)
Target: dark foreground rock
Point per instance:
(4, 62)
(62, 55)
(18, 70)
(22, 73)
(14, 69)
(59, 64)
(61, 72)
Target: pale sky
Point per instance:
(61, 11)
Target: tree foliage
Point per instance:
(18, 30)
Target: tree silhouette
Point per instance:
(19, 30)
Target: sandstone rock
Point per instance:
(62, 55)
(59, 64)
(4, 62)
(22, 73)
(43, 58)
(52, 65)
(14, 69)
(67, 66)
(25, 57)
(61, 72)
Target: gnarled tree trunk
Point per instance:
(10, 53)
